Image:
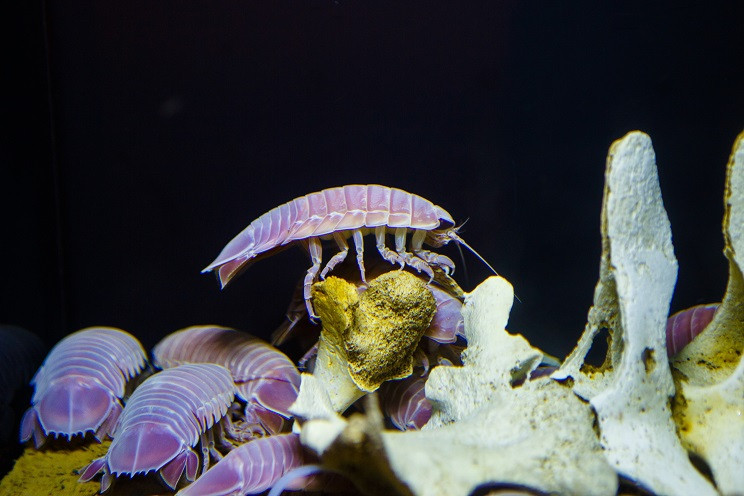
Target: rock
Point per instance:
(709, 407)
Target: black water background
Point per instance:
(141, 137)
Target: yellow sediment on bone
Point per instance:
(53, 470)
(391, 318)
(375, 333)
(708, 372)
(714, 354)
(359, 451)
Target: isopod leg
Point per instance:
(187, 461)
(108, 425)
(338, 257)
(316, 255)
(358, 238)
(96, 466)
(443, 261)
(31, 428)
(386, 252)
(409, 258)
(417, 242)
(221, 430)
(208, 449)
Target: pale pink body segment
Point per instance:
(79, 387)
(340, 213)
(266, 379)
(404, 402)
(166, 416)
(684, 326)
(252, 468)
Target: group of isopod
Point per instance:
(215, 394)
(214, 385)
(209, 393)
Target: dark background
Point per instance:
(142, 136)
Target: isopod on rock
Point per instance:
(340, 213)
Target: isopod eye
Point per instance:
(74, 405)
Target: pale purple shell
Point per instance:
(684, 326)
(79, 387)
(404, 402)
(164, 418)
(320, 214)
(252, 468)
(264, 376)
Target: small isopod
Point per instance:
(339, 213)
(265, 378)
(80, 386)
(165, 418)
(404, 401)
(684, 326)
(252, 468)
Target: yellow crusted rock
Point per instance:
(391, 318)
(375, 333)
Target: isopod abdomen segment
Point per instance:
(266, 379)
(252, 468)
(79, 387)
(405, 403)
(165, 418)
(684, 326)
(340, 213)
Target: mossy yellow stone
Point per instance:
(53, 470)
(375, 333)
(391, 318)
(334, 300)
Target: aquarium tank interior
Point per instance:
(224, 192)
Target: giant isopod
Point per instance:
(265, 378)
(339, 213)
(80, 386)
(684, 326)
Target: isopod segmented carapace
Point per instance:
(339, 213)
(166, 416)
(79, 387)
(252, 468)
(266, 379)
(684, 326)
